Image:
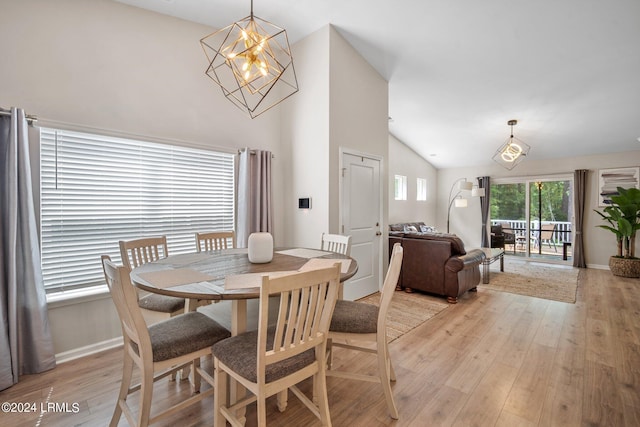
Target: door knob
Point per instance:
(378, 233)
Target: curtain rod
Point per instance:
(7, 112)
(273, 156)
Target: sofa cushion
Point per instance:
(402, 226)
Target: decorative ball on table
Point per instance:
(260, 247)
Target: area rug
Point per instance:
(535, 279)
(407, 311)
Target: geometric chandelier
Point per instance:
(251, 61)
(513, 151)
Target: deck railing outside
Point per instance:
(562, 232)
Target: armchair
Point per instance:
(497, 237)
(509, 235)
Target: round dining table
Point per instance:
(229, 275)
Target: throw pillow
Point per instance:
(410, 229)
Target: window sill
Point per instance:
(77, 296)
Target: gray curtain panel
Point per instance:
(26, 346)
(255, 206)
(580, 180)
(485, 203)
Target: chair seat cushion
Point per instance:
(161, 303)
(184, 334)
(240, 354)
(354, 317)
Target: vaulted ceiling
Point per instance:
(458, 70)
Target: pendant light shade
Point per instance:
(251, 61)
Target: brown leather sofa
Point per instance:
(436, 263)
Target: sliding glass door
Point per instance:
(536, 215)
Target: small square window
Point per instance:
(400, 187)
(421, 189)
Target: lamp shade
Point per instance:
(465, 185)
(260, 248)
(461, 203)
(478, 192)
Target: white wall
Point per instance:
(305, 132)
(101, 65)
(599, 244)
(404, 161)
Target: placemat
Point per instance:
(179, 276)
(304, 253)
(317, 263)
(251, 280)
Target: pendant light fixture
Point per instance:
(251, 61)
(512, 151)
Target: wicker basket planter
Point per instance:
(625, 267)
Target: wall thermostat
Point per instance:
(304, 203)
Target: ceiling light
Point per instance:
(251, 61)
(512, 151)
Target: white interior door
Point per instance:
(361, 219)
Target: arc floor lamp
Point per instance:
(457, 199)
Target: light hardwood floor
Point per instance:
(493, 359)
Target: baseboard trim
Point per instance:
(598, 266)
(68, 356)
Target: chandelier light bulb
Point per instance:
(507, 157)
(511, 152)
(515, 148)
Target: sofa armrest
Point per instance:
(461, 262)
(462, 273)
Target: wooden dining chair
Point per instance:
(137, 252)
(273, 359)
(363, 327)
(157, 350)
(336, 243)
(215, 241)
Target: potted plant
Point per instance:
(623, 216)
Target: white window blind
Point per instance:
(97, 190)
